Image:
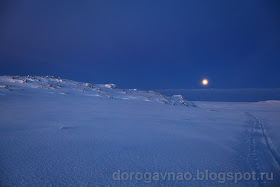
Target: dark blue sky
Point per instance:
(144, 44)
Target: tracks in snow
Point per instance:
(262, 156)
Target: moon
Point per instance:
(205, 82)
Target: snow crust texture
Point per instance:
(57, 132)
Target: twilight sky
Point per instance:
(144, 44)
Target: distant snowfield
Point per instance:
(54, 133)
(226, 95)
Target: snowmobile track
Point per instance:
(263, 157)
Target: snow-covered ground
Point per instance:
(57, 132)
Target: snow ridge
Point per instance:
(57, 85)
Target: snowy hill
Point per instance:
(56, 85)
